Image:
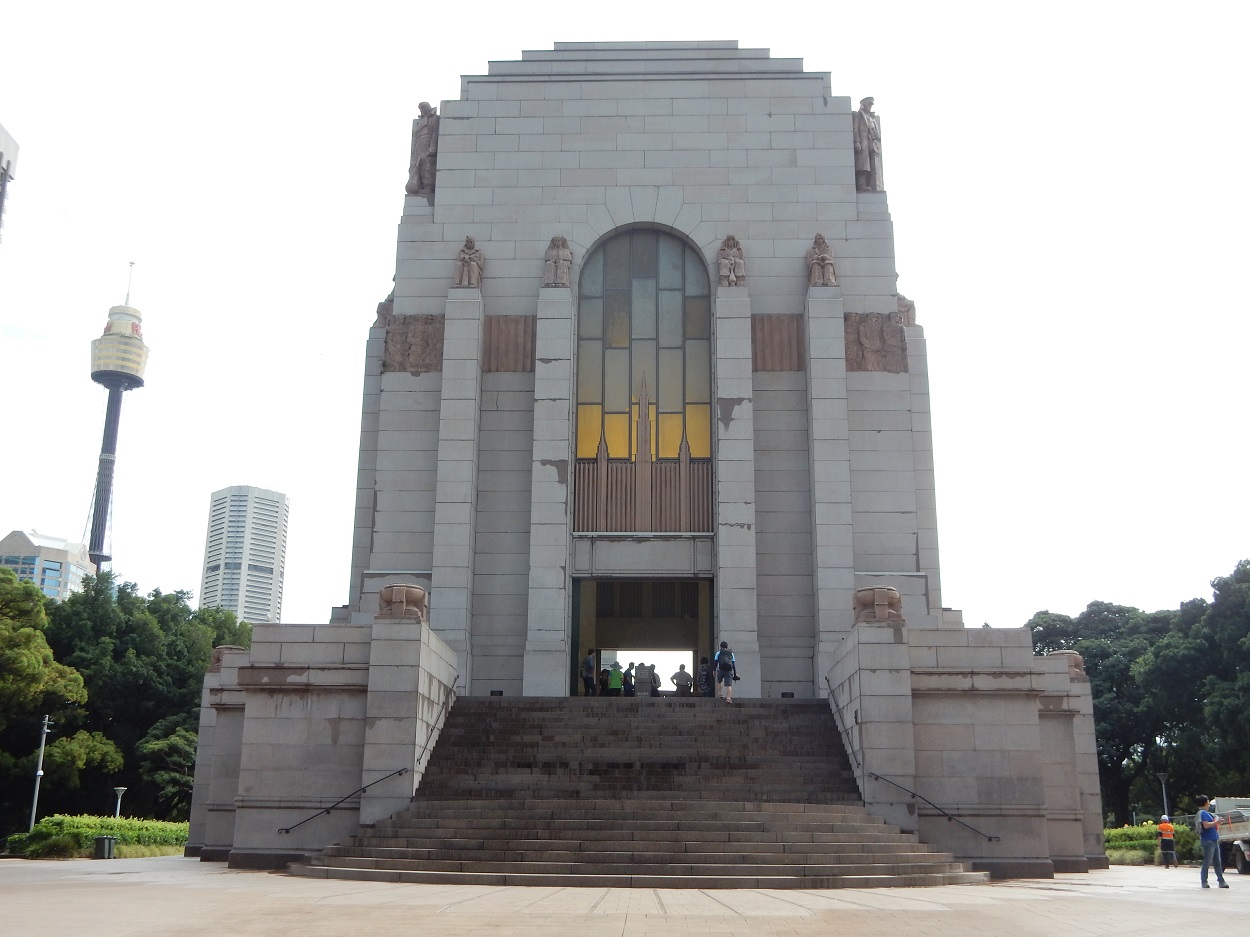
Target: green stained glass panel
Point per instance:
(590, 318)
(589, 372)
(642, 307)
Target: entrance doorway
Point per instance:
(665, 622)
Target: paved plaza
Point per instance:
(173, 895)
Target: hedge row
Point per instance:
(61, 835)
(1144, 840)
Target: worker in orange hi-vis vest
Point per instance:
(1167, 842)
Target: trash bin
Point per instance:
(104, 846)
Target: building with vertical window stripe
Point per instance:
(245, 552)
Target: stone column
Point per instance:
(736, 595)
(455, 507)
(830, 453)
(546, 665)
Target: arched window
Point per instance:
(644, 383)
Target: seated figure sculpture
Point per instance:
(401, 600)
(731, 266)
(558, 262)
(469, 265)
(820, 263)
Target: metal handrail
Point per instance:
(837, 716)
(949, 816)
(398, 771)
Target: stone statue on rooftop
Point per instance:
(820, 263)
(469, 265)
(558, 262)
(422, 165)
(730, 264)
(867, 127)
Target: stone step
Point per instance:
(776, 854)
(615, 811)
(842, 845)
(639, 793)
(521, 878)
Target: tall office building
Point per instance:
(56, 566)
(245, 552)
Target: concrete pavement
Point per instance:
(172, 895)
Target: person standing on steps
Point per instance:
(704, 679)
(588, 672)
(682, 680)
(627, 680)
(1209, 839)
(1167, 842)
(726, 670)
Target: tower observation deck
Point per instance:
(118, 358)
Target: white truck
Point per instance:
(1234, 829)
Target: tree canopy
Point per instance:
(1171, 694)
(120, 674)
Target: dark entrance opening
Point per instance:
(665, 622)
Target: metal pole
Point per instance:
(1163, 779)
(117, 810)
(34, 804)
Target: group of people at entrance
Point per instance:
(715, 677)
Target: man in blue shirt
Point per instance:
(1209, 838)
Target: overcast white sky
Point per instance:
(1069, 194)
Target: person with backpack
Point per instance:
(726, 670)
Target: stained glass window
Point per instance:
(645, 324)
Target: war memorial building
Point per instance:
(645, 381)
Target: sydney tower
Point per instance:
(117, 361)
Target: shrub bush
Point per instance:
(66, 836)
(1144, 839)
(1127, 857)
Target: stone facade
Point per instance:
(817, 475)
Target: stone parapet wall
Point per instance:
(998, 738)
(301, 722)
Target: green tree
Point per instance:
(167, 761)
(143, 660)
(29, 673)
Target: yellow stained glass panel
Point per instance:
(589, 429)
(670, 435)
(699, 430)
(633, 429)
(616, 432)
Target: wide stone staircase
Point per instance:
(658, 793)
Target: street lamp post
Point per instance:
(1163, 779)
(117, 810)
(43, 737)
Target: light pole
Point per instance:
(117, 810)
(1163, 779)
(34, 804)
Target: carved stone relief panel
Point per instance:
(875, 341)
(413, 343)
